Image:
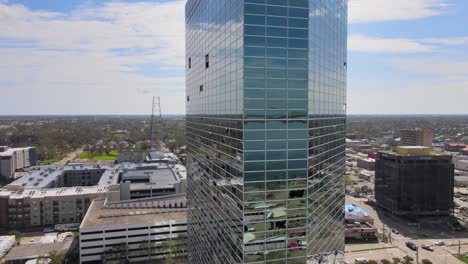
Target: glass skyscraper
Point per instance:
(266, 119)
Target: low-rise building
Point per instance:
(136, 230)
(130, 156)
(366, 164)
(53, 195)
(13, 159)
(358, 223)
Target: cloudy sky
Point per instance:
(111, 57)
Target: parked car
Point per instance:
(48, 230)
(360, 260)
(427, 247)
(439, 243)
(411, 246)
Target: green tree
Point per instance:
(175, 248)
(385, 261)
(426, 261)
(18, 235)
(396, 260)
(408, 259)
(372, 262)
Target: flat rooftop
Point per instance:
(355, 211)
(414, 151)
(37, 182)
(100, 216)
(30, 251)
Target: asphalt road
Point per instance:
(397, 247)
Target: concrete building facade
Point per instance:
(417, 137)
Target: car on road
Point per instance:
(439, 243)
(48, 230)
(411, 246)
(360, 260)
(427, 247)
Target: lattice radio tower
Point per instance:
(156, 119)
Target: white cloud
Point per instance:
(447, 41)
(362, 43)
(92, 56)
(424, 98)
(448, 70)
(362, 11)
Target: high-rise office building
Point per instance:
(414, 181)
(417, 137)
(266, 118)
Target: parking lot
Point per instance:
(426, 233)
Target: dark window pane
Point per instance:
(276, 135)
(277, 11)
(300, 54)
(297, 144)
(276, 63)
(276, 84)
(299, 3)
(297, 124)
(298, 74)
(297, 104)
(254, 176)
(276, 144)
(272, 73)
(254, 135)
(297, 84)
(254, 30)
(297, 22)
(297, 134)
(275, 52)
(254, 20)
(254, 72)
(254, 83)
(260, 155)
(276, 114)
(298, 12)
(254, 166)
(277, 42)
(297, 64)
(297, 33)
(297, 94)
(277, 21)
(253, 51)
(277, 2)
(298, 43)
(254, 145)
(276, 165)
(254, 93)
(276, 104)
(254, 62)
(274, 155)
(254, 41)
(276, 124)
(275, 93)
(277, 32)
(254, 9)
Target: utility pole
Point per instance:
(417, 254)
(459, 247)
(156, 117)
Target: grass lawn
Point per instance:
(462, 257)
(46, 162)
(113, 154)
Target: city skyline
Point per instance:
(398, 50)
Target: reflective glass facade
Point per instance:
(266, 103)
